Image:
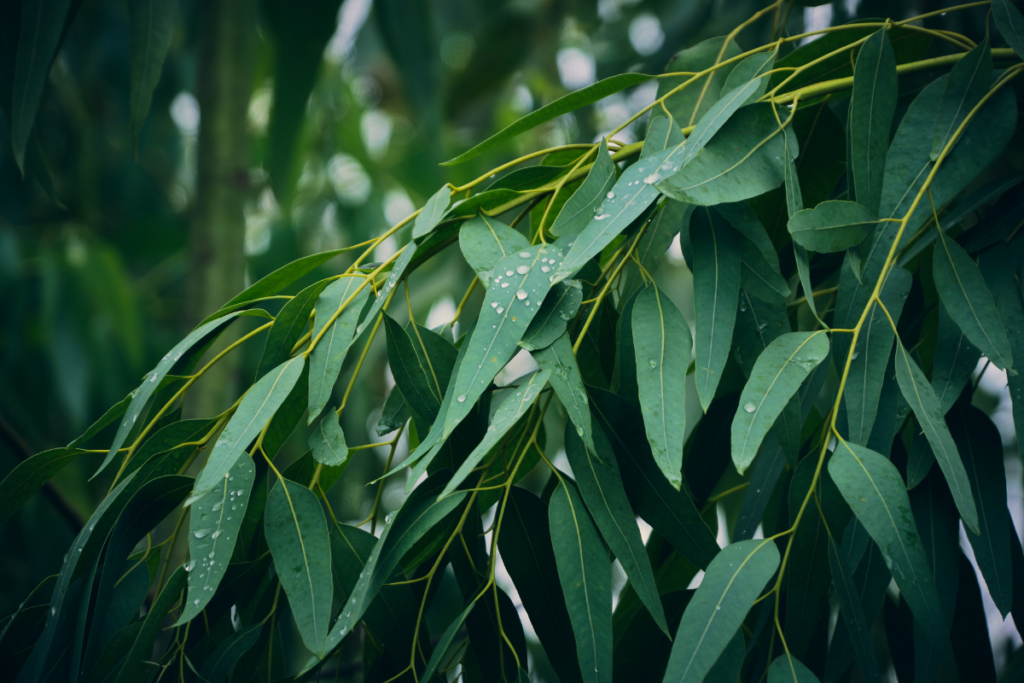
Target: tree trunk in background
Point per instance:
(227, 31)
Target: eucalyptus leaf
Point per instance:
(581, 208)
(1010, 23)
(832, 226)
(327, 442)
(329, 354)
(968, 82)
(559, 307)
(567, 382)
(152, 27)
(872, 107)
(484, 241)
(431, 213)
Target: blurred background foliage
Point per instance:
(338, 114)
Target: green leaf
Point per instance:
(875, 492)
(29, 476)
(328, 443)
(669, 511)
(857, 625)
(275, 282)
(563, 105)
(397, 275)
(730, 586)
(661, 231)
(872, 107)
(968, 82)
(979, 444)
(289, 326)
(253, 413)
(152, 27)
(418, 515)
(113, 412)
(565, 379)
(688, 105)
(925, 404)
(1011, 308)
(214, 524)
(218, 666)
(511, 410)
(662, 347)
(511, 303)
(175, 441)
(445, 642)
(394, 414)
(484, 241)
(775, 378)
(969, 302)
(525, 546)
(717, 116)
(661, 135)
(414, 374)
(972, 646)
(329, 354)
(832, 226)
(582, 206)
(730, 663)
(42, 28)
(296, 532)
(559, 307)
(768, 467)
(629, 197)
(529, 177)
(600, 484)
(740, 162)
(1010, 23)
(142, 648)
(153, 381)
(866, 374)
(954, 361)
(754, 66)
(716, 289)
(787, 669)
(431, 213)
(584, 572)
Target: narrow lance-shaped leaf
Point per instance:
(142, 647)
(872, 107)
(969, 302)
(776, 376)
(768, 467)
(329, 354)
(563, 105)
(484, 241)
(511, 303)
(289, 326)
(296, 532)
(214, 524)
(968, 82)
(795, 204)
(253, 413)
(431, 213)
(923, 402)
(413, 374)
(689, 104)
(444, 643)
(857, 625)
(30, 475)
(738, 163)
(219, 665)
(559, 307)
(658, 237)
(585, 573)
(954, 361)
(730, 586)
(1010, 23)
(788, 669)
(753, 67)
(632, 193)
(716, 289)
(1011, 308)
(579, 210)
(514, 407)
(979, 444)
(874, 490)
(600, 484)
(152, 27)
(661, 134)
(662, 347)
(567, 382)
(397, 274)
(832, 226)
(717, 116)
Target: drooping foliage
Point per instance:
(840, 302)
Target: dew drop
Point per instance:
(524, 254)
(856, 354)
(544, 269)
(743, 306)
(53, 610)
(461, 398)
(504, 285)
(749, 407)
(601, 217)
(610, 195)
(523, 270)
(500, 310)
(202, 533)
(521, 294)
(494, 304)
(652, 363)
(196, 601)
(216, 534)
(651, 179)
(217, 506)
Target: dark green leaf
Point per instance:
(558, 309)
(296, 532)
(328, 443)
(661, 135)
(394, 414)
(1011, 308)
(954, 361)
(768, 467)
(979, 444)
(289, 326)
(668, 511)
(872, 107)
(832, 226)
(601, 486)
(565, 379)
(445, 642)
(716, 287)
(511, 410)
(328, 355)
(564, 104)
(740, 162)
(875, 492)
(658, 237)
(968, 82)
(484, 241)
(732, 583)
(857, 625)
(688, 105)
(1010, 23)
(141, 650)
(662, 348)
(413, 373)
(221, 661)
(582, 206)
(397, 275)
(969, 302)
(152, 27)
(774, 380)
(925, 404)
(431, 213)
(525, 546)
(254, 412)
(788, 669)
(31, 475)
(972, 647)
(754, 66)
(584, 571)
